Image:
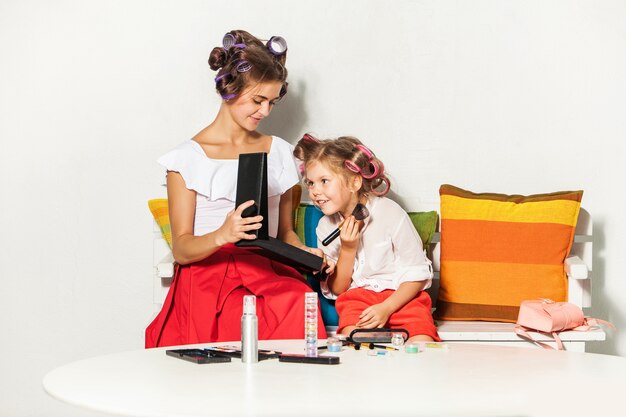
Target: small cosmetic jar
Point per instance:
(397, 340)
(411, 348)
(333, 344)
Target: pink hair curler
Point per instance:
(308, 137)
(384, 180)
(352, 166)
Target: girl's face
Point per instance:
(330, 191)
(254, 104)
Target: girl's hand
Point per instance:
(350, 233)
(374, 317)
(329, 266)
(235, 227)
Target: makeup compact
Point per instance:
(252, 185)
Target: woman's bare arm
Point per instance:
(285, 222)
(188, 248)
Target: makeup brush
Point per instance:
(360, 212)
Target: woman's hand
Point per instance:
(235, 227)
(350, 233)
(374, 317)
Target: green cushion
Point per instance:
(425, 222)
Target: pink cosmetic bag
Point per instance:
(551, 317)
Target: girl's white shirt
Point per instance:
(215, 181)
(390, 251)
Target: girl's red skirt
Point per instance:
(415, 316)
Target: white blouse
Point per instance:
(390, 251)
(215, 181)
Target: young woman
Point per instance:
(380, 268)
(204, 303)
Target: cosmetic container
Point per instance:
(310, 324)
(397, 340)
(333, 344)
(412, 348)
(249, 331)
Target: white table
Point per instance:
(465, 380)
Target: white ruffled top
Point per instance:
(215, 181)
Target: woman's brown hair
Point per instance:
(247, 61)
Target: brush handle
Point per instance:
(331, 236)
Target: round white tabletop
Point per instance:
(464, 380)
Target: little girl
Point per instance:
(378, 269)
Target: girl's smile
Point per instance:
(329, 191)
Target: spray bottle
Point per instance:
(249, 331)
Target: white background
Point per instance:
(499, 96)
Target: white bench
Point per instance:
(578, 267)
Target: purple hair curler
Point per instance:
(277, 45)
(229, 96)
(229, 41)
(243, 66)
(219, 77)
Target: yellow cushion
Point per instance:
(160, 212)
(497, 250)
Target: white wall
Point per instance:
(501, 96)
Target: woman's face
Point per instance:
(254, 104)
(330, 191)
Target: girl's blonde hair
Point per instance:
(347, 156)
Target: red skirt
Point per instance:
(415, 316)
(205, 301)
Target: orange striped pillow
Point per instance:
(497, 250)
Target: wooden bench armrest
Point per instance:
(576, 268)
(579, 282)
(165, 268)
